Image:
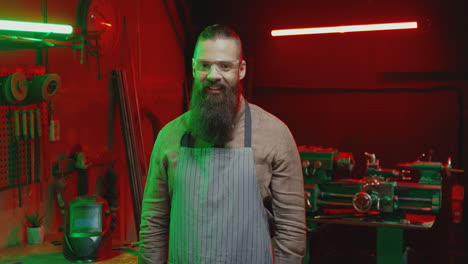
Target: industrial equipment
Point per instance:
(408, 196)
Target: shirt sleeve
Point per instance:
(287, 187)
(154, 227)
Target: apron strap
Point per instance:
(248, 127)
(187, 139)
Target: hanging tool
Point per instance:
(81, 168)
(118, 83)
(18, 159)
(24, 116)
(32, 153)
(37, 149)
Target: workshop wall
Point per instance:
(280, 68)
(147, 48)
(309, 81)
(327, 86)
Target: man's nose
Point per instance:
(214, 73)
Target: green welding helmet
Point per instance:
(87, 230)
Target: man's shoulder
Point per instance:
(267, 119)
(174, 128)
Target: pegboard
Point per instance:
(23, 135)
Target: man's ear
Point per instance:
(242, 69)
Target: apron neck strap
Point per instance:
(188, 140)
(247, 127)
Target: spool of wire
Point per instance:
(43, 88)
(13, 88)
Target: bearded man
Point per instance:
(225, 182)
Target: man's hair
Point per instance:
(218, 31)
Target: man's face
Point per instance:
(217, 71)
(217, 67)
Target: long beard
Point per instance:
(212, 115)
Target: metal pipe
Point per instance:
(337, 195)
(408, 199)
(421, 187)
(414, 208)
(129, 138)
(333, 203)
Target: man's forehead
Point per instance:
(217, 49)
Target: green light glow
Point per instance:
(35, 27)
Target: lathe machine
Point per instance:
(407, 197)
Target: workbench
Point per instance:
(50, 253)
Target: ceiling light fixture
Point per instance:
(344, 29)
(10, 25)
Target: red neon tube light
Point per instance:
(343, 29)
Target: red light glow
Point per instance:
(343, 29)
(106, 24)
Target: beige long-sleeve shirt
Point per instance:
(279, 175)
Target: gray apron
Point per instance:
(217, 214)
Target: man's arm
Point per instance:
(287, 187)
(154, 228)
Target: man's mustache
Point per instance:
(219, 84)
